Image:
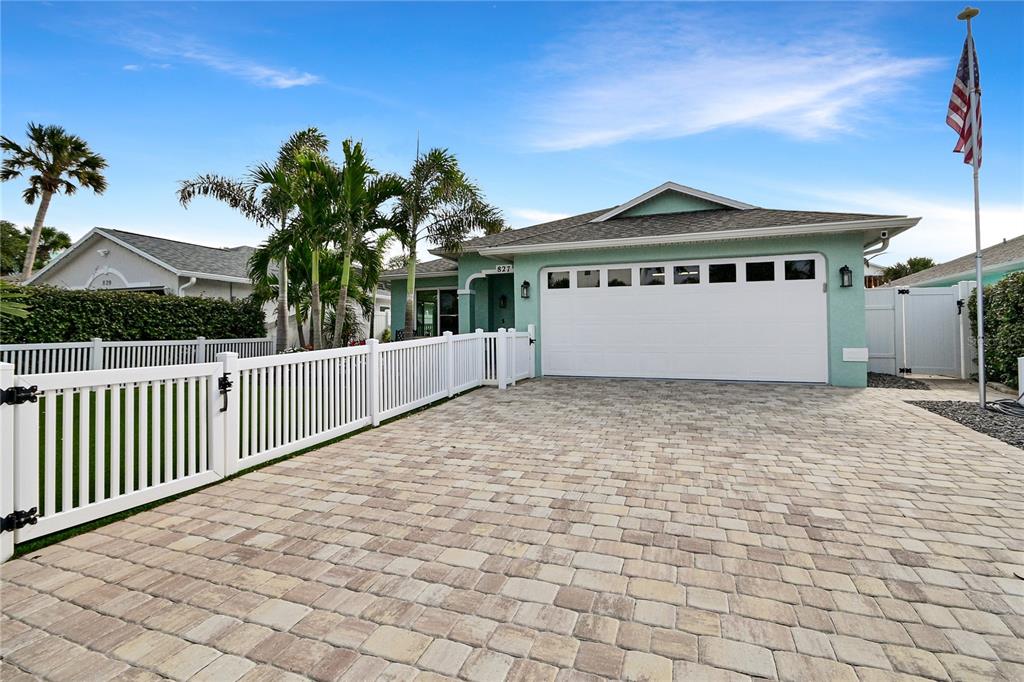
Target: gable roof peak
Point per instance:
(724, 202)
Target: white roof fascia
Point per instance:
(218, 278)
(403, 275)
(673, 187)
(894, 225)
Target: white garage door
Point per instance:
(743, 319)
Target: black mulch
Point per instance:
(889, 381)
(1004, 427)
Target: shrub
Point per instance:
(1004, 327)
(65, 315)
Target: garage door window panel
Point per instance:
(799, 269)
(722, 273)
(620, 277)
(558, 280)
(686, 274)
(761, 271)
(653, 276)
(588, 279)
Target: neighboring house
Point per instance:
(675, 283)
(874, 275)
(997, 262)
(115, 259)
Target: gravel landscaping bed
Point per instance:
(889, 381)
(1003, 427)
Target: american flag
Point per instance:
(959, 116)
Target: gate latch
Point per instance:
(19, 519)
(959, 306)
(16, 395)
(224, 384)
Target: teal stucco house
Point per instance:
(997, 262)
(674, 283)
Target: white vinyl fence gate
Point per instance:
(78, 446)
(920, 330)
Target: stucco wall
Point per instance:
(671, 202)
(85, 267)
(845, 306)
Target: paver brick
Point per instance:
(600, 659)
(638, 666)
(396, 644)
(798, 668)
(737, 656)
(484, 666)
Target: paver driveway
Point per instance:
(562, 529)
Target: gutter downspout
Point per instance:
(879, 249)
(186, 285)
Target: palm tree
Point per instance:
(438, 203)
(59, 162)
(363, 193)
(313, 187)
(267, 204)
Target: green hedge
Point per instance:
(1004, 327)
(62, 315)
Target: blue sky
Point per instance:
(554, 109)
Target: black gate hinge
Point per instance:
(905, 370)
(224, 385)
(19, 519)
(16, 395)
(903, 291)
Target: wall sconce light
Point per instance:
(845, 277)
(524, 289)
(503, 301)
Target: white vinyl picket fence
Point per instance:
(77, 446)
(79, 356)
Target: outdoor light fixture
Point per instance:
(524, 289)
(845, 277)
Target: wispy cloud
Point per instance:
(946, 229)
(189, 49)
(657, 73)
(132, 67)
(530, 216)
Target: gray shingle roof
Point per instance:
(1009, 251)
(211, 260)
(580, 229)
(438, 266)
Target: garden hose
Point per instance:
(1007, 406)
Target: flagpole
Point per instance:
(966, 15)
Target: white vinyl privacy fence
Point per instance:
(78, 446)
(78, 356)
(920, 330)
